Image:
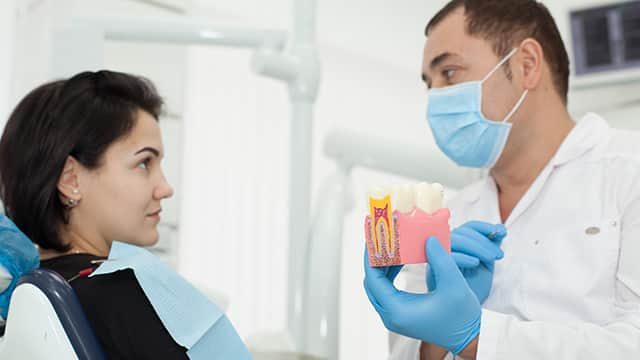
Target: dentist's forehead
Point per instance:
(448, 36)
(449, 40)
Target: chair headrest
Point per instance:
(68, 310)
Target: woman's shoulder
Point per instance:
(102, 296)
(119, 311)
(70, 265)
(102, 292)
(119, 288)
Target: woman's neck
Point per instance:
(80, 244)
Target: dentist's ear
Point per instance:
(531, 64)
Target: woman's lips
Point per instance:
(155, 215)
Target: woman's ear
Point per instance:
(68, 185)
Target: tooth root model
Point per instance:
(401, 219)
(382, 221)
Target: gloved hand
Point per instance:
(448, 316)
(5, 278)
(475, 246)
(18, 255)
(5, 282)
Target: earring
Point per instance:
(72, 202)
(75, 191)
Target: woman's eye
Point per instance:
(144, 164)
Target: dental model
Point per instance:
(401, 220)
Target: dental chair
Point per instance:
(46, 321)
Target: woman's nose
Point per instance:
(164, 190)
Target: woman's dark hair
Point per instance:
(80, 117)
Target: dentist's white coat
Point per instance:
(569, 284)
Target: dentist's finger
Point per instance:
(465, 261)
(468, 241)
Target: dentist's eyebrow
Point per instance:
(148, 149)
(437, 61)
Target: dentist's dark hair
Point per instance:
(78, 117)
(506, 23)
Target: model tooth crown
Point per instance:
(428, 197)
(404, 198)
(378, 193)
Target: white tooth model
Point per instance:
(428, 197)
(378, 193)
(401, 219)
(402, 198)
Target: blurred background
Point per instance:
(228, 132)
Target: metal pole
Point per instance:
(303, 92)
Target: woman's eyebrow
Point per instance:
(149, 149)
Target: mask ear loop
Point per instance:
(515, 108)
(502, 62)
(524, 95)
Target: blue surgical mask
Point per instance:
(459, 127)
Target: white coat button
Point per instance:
(592, 230)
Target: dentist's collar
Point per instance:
(590, 131)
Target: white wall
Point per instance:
(233, 217)
(7, 25)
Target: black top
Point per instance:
(122, 317)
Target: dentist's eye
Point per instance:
(449, 74)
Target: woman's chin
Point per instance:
(149, 240)
(152, 240)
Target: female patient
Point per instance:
(80, 167)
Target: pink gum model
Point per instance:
(411, 231)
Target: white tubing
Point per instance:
(354, 149)
(185, 32)
(322, 299)
(299, 213)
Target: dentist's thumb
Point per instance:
(442, 266)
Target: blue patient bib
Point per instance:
(18, 256)
(190, 318)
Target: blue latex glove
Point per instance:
(475, 246)
(18, 255)
(449, 316)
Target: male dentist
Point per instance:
(564, 283)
